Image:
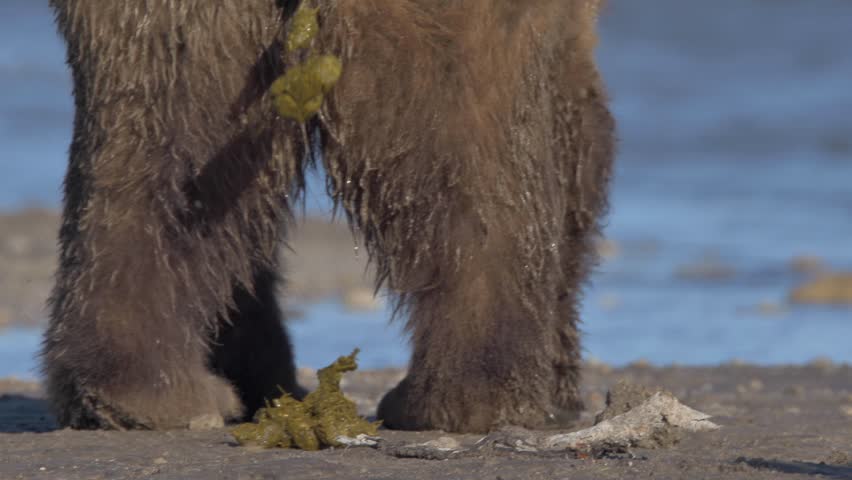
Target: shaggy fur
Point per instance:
(471, 144)
(468, 140)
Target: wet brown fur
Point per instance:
(468, 141)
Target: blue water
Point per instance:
(735, 126)
(325, 331)
(18, 349)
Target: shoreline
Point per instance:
(787, 421)
(776, 422)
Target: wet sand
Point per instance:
(777, 422)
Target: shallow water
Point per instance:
(18, 349)
(736, 142)
(700, 332)
(323, 332)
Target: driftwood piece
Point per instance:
(362, 440)
(658, 422)
(655, 423)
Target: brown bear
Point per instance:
(468, 140)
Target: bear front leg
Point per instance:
(471, 144)
(126, 346)
(175, 197)
(486, 256)
(494, 336)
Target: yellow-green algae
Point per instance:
(314, 423)
(299, 93)
(303, 28)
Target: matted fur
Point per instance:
(468, 140)
(176, 197)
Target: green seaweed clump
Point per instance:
(303, 28)
(299, 93)
(314, 423)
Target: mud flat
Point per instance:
(776, 422)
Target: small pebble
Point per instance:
(822, 363)
(837, 457)
(206, 422)
(795, 390)
(709, 268)
(596, 364)
(753, 386)
(737, 362)
(827, 289)
(640, 363)
(444, 443)
(807, 264)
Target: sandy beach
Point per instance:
(776, 422)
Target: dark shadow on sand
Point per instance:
(799, 468)
(20, 413)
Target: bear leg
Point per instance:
(128, 356)
(253, 350)
(177, 189)
(471, 144)
(493, 342)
